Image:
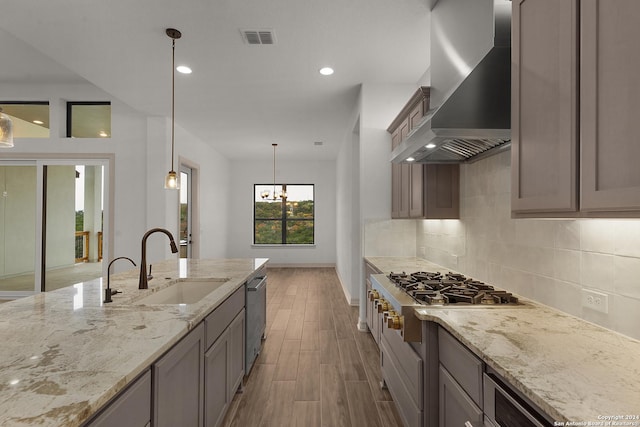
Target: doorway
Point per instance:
(52, 222)
(186, 212)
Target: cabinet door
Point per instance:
(456, 408)
(544, 101)
(405, 176)
(609, 107)
(396, 182)
(217, 382)
(131, 408)
(416, 197)
(177, 384)
(442, 191)
(236, 352)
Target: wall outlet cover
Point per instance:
(595, 301)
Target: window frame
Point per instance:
(283, 218)
(71, 104)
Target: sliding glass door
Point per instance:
(18, 187)
(52, 218)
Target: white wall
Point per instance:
(141, 146)
(348, 227)
(549, 261)
(378, 105)
(244, 174)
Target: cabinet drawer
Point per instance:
(462, 364)
(219, 319)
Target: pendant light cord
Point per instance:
(173, 98)
(274, 171)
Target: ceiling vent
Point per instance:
(258, 36)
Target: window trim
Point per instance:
(283, 218)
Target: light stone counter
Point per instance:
(574, 370)
(64, 353)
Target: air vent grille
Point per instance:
(258, 36)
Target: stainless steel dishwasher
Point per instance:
(256, 318)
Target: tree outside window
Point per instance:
(283, 214)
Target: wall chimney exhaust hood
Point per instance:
(469, 115)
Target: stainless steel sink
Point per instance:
(184, 291)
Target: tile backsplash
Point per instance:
(550, 261)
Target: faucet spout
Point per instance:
(108, 292)
(144, 280)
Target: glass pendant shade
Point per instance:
(6, 131)
(171, 181)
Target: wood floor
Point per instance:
(316, 368)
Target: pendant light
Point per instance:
(171, 180)
(6, 130)
(265, 194)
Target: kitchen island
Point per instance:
(65, 353)
(573, 370)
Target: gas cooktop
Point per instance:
(438, 289)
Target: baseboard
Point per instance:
(320, 265)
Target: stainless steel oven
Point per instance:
(505, 407)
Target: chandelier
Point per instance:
(266, 194)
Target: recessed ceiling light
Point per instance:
(38, 122)
(326, 71)
(410, 159)
(430, 146)
(103, 134)
(183, 69)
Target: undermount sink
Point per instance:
(184, 291)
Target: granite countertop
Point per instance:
(573, 370)
(65, 353)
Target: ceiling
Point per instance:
(240, 98)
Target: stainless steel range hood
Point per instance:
(470, 104)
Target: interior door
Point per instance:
(186, 208)
(18, 206)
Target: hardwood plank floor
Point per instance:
(315, 369)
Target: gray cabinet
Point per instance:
(178, 389)
(132, 407)
(400, 175)
(224, 371)
(419, 190)
(224, 358)
(456, 407)
(236, 352)
(609, 108)
(544, 106)
(217, 381)
(461, 389)
(570, 109)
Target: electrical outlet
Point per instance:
(595, 301)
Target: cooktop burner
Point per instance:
(450, 288)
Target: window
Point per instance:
(30, 119)
(89, 119)
(283, 214)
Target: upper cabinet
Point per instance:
(421, 190)
(610, 105)
(544, 106)
(574, 102)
